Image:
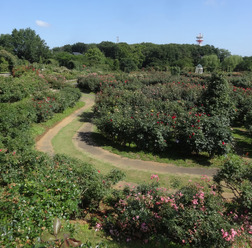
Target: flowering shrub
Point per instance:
(44, 108)
(93, 81)
(20, 70)
(199, 132)
(194, 215)
(16, 89)
(235, 175)
(158, 116)
(56, 81)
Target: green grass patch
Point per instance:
(62, 143)
(243, 142)
(38, 129)
(87, 235)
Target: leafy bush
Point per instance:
(199, 132)
(235, 175)
(13, 90)
(92, 82)
(36, 189)
(56, 81)
(216, 99)
(15, 120)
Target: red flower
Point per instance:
(193, 133)
(173, 117)
(223, 143)
(99, 171)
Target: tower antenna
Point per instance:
(199, 39)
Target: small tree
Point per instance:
(210, 62)
(216, 99)
(94, 56)
(231, 62)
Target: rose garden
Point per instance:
(151, 110)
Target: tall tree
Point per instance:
(28, 45)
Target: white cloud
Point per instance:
(42, 24)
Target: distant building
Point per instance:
(77, 53)
(199, 69)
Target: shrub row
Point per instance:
(194, 117)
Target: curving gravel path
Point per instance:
(83, 142)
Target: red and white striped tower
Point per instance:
(199, 39)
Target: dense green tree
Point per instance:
(245, 64)
(108, 48)
(64, 58)
(28, 45)
(79, 47)
(231, 62)
(94, 56)
(210, 62)
(222, 54)
(128, 64)
(67, 48)
(6, 42)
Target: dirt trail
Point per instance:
(44, 144)
(83, 142)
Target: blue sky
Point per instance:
(225, 24)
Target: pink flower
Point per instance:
(154, 176)
(195, 201)
(233, 233)
(224, 234)
(98, 227)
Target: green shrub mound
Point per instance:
(36, 188)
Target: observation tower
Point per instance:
(199, 39)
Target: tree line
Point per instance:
(25, 44)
